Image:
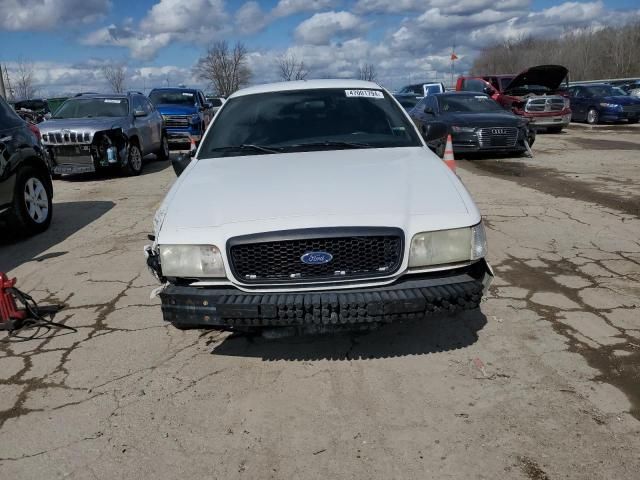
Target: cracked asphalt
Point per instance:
(543, 382)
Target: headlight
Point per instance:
(448, 246)
(457, 129)
(191, 261)
(567, 102)
(610, 105)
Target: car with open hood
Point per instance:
(533, 94)
(92, 132)
(315, 204)
(599, 102)
(477, 123)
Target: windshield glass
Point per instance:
(504, 82)
(408, 101)
(159, 97)
(93, 107)
(305, 120)
(604, 91)
(467, 103)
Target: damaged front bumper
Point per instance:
(411, 296)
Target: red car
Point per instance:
(533, 94)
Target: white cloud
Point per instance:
(291, 7)
(182, 17)
(46, 14)
(250, 18)
(322, 27)
(65, 79)
(196, 22)
(445, 6)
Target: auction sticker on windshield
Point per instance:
(111, 100)
(364, 93)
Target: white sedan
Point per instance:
(316, 204)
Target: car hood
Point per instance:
(497, 119)
(95, 124)
(365, 187)
(550, 76)
(170, 109)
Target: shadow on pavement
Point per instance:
(416, 337)
(68, 218)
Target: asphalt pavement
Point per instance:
(543, 382)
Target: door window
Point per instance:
(473, 85)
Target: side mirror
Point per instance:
(434, 131)
(208, 105)
(428, 110)
(488, 90)
(139, 113)
(181, 162)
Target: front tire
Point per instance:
(163, 153)
(32, 205)
(133, 165)
(593, 117)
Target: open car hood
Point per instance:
(550, 76)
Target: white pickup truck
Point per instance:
(315, 203)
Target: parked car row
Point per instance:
(600, 102)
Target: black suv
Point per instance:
(26, 189)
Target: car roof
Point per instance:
(103, 95)
(177, 89)
(306, 85)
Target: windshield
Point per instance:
(431, 89)
(604, 91)
(408, 102)
(504, 82)
(305, 120)
(93, 107)
(467, 103)
(159, 97)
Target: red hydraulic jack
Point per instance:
(30, 314)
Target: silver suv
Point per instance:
(90, 132)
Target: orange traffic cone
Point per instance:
(193, 147)
(448, 155)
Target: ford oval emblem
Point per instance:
(316, 258)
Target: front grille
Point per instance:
(545, 104)
(631, 108)
(497, 136)
(66, 137)
(277, 257)
(176, 120)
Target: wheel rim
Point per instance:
(135, 158)
(36, 200)
(592, 116)
(165, 147)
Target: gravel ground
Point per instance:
(543, 382)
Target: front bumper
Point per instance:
(609, 115)
(410, 297)
(549, 120)
(182, 136)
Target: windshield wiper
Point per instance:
(243, 147)
(328, 143)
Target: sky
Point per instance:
(66, 42)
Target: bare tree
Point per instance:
(289, 68)
(24, 87)
(115, 75)
(367, 72)
(589, 54)
(225, 69)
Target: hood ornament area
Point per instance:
(316, 258)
